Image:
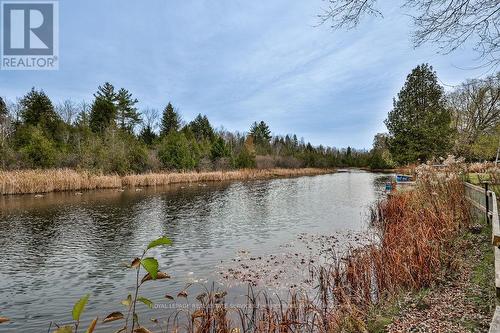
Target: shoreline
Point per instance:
(64, 180)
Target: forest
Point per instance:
(111, 135)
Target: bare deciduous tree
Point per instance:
(447, 23)
(150, 118)
(67, 111)
(475, 106)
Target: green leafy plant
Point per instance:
(78, 310)
(151, 266)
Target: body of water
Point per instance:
(56, 248)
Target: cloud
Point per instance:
(239, 61)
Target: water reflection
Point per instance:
(59, 247)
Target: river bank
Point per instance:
(58, 180)
(462, 302)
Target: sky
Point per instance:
(242, 61)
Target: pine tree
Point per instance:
(38, 110)
(419, 123)
(261, 133)
(102, 115)
(201, 128)
(106, 92)
(170, 121)
(126, 113)
(219, 149)
(147, 135)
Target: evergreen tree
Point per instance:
(170, 121)
(3, 110)
(106, 92)
(201, 128)
(82, 119)
(37, 110)
(147, 135)
(175, 152)
(219, 149)
(419, 123)
(126, 113)
(102, 115)
(246, 157)
(261, 133)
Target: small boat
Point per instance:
(404, 178)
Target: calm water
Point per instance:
(56, 248)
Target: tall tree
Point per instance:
(4, 121)
(219, 149)
(102, 115)
(126, 113)
(106, 92)
(37, 110)
(446, 23)
(261, 133)
(170, 122)
(3, 109)
(104, 110)
(201, 128)
(149, 124)
(83, 116)
(4, 113)
(419, 123)
(475, 106)
(67, 111)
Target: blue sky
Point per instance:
(241, 61)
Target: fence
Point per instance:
(484, 202)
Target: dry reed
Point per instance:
(56, 180)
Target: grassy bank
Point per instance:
(56, 180)
(464, 301)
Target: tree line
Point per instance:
(428, 123)
(111, 135)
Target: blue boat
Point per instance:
(403, 178)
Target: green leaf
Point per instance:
(79, 307)
(64, 329)
(146, 301)
(159, 241)
(151, 266)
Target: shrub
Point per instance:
(38, 150)
(245, 159)
(175, 152)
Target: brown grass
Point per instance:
(56, 180)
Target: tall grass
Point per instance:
(55, 180)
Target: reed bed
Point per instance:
(56, 180)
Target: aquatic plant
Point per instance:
(57, 180)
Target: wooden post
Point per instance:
(487, 202)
